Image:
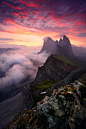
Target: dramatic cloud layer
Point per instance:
(39, 18)
(18, 65)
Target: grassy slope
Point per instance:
(45, 84)
(66, 60)
(42, 86)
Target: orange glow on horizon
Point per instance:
(34, 37)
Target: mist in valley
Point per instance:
(17, 66)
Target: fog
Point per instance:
(19, 64)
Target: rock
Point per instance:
(70, 78)
(49, 46)
(79, 112)
(71, 122)
(55, 105)
(55, 100)
(67, 105)
(60, 110)
(51, 122)
(59, 113)
(61, 96)
(78, 83)
(55, 47)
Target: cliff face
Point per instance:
(54, 69)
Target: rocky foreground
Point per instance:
(64, 109)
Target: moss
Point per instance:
(66, 60)
(42, 86)
(45, 84)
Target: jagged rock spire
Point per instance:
(51, 46)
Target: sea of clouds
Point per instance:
(19, 64)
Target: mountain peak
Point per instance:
(65, 39)
(66, 42)
(60, 40)
(64, 36)
(46, 39)
(56, 41)
(51, 46)
(49, 39)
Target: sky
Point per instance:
(27, 22)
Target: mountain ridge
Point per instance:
(54, 70)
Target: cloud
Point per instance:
(3, 42)
(18, 65)
(3, 39)
(82, 35)
(15, 75)
(42, 18)
(43, 11)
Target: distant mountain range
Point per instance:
(52, 47)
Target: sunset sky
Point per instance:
(27, 22)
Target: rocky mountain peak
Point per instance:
(51, 46)
(56, 41)
(64, 36)
(60, 40)
(66, 41)
(49, 39)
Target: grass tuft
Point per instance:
(45, 84)
(66, 60)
